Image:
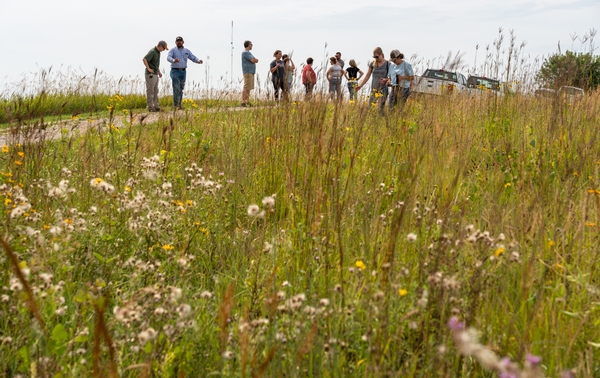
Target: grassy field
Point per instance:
(458, 237)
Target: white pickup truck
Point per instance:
(439, 82)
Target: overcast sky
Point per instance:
(113, 36)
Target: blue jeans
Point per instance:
(178, 78)
(352, 88)
(398, 95)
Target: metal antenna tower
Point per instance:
(231, 72)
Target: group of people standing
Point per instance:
(178, 57)
(390, 79)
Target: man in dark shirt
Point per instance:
(152, 74)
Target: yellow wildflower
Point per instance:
(499, 251)
(168, 247)
(590, 224)
(5, 148)
(551, 243)
(21, 153)
(360, 265)
(402, 292)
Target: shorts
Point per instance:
(248, 82)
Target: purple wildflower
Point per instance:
(506, 374)
(567, 374)
(455, 325)
(533, 360)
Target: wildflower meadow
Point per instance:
(457, 236)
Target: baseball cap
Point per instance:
(163, 44)
(179, 39)
(394, 53)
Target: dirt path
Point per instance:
(37, 132)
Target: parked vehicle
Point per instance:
(440, 82)
(545, 92)
(565, 93)
(479, 85)
(571, 94)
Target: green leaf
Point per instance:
(80, 296)
(571, 314)
(24, 354)
(59, 334)
(99, 257)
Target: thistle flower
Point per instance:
(184, 310)
(147, 335)
(411, 237)
(206, 294)
(269, 201)
(253, 210)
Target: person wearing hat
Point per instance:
(399, 77)
(152, 74)
(249, 70)
(178, 58)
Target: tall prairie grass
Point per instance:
(309, 239)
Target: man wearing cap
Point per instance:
(400, 75)
(178, 58)
(249, 70)
(152, 63)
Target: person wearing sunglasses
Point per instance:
(378, 70)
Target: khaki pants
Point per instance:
(152, 91)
